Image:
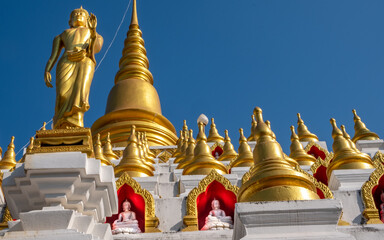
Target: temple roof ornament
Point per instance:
(133, 100)
(245, 157)
(302, 131)
(297, 151)
(203, 161)
(9, 159)
(214, 135)
(131, 162)
(183, 149)
(189, 154)
(143, 155)
(98, 150)
(180, 142)
(254, 124)
(345, 156)
(361, 131)
(107, 149)
(229, 152)
(270, 166)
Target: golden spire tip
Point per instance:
(134, 20)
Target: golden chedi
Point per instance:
(303, 133)
(99, 152)
(352, 144)
(361, 131)
(149, 156)
(133, 100)
(179, 144)
(297, 151)
(214, 135)
(131, 162)
(345, 157)
(203, 161)
(269, 125)
(272, 177)
(189, 154)
(183, 149)
(107, 149)
(245, 157)
(9, 159)
(229, 152)
(254, 123)
(143, 155)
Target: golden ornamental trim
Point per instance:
(147, 196)
(378, 159)
(318, 163)
(246, 177)
(371, 213)
(216, 144)
(312, 143)
(323, 188)
(202, 187)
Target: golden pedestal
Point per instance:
(63, 140)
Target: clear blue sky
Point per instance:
(221, 58)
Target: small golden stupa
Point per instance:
(183, 149)
(253, 127)
(150, 154)
(189, 153)
(107, 150)
(245, 157)
(143, 155)
(214, 135)
(361, 131)
(180, 142)
(229, 152)
(345, 156)
(148, 157)
(134, 100)
(303, 133)
(297, 151)
(203, 161)
(9, 159)
(99, 152)
(131, 162)
(272, 177)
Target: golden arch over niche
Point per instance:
(151, 221)
(190, 219)
(312, 145)
(371, 213)
(319, 168)
(378, 159)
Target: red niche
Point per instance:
(218, 150)
(137, 205)
(215, 190)
(316, 152)
(321, 175)
(376, 192)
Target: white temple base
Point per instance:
(314, 219)
(349, 179)
(370, 147)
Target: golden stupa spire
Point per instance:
(361, 131)
(99, 152)
(189, 153)
(351, 143)
(254, 124)
(180, 143)
(133, 100)
(9, 159)
(203, 161)
(183, 149)
(345, 156)
(245, 157)
(131, 162)
(148, 157)
(297, 151)
(229, 152)
(214, 135)
(150, 154)
(107, 149)
(304, 134)
(269, 125)
(272, 177)
(185, 126)
(143, 154)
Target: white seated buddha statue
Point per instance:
(126, 222)
(216, 219)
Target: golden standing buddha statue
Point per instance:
(75, 69)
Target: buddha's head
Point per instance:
(215, 204)
(78, 18)
(126, 205)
